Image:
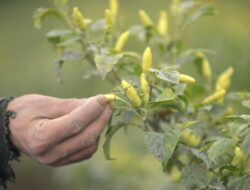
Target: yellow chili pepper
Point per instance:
(131, 93)
(206, 70)
(174, 174)
(145, 19)
(147, 60)
(122, 41)
(190, 138)
(215, 97)
(108, 18)
(145, 89)
(186, 78)
(224, 80)
(205, 66)
(239, 157)
(163, 23)
(110, 97)
(114, 6)
(239, 154)
(78, 18)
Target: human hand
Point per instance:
(56, 131)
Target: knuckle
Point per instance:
(37, 148)
(48, 160)
(75, 126)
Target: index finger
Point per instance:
(59, 129)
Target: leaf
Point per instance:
(239, 183)
(165, 96)
(110, 133)
(239, 95)
(69, 41)
(180, 88)
(237, 127)
(202, 156)
(204, 10)
(162, 146)
(66, 56)
(170, 141)
(187, 124)
(217, 186)
(56, 35)
(221, 149)
(154, 142)
(41, 13)
(246, 103)
(168, 75)
(243, 117)
(105, 62)
(194, 177)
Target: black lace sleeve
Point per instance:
(8, 152)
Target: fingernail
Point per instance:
(102, 101)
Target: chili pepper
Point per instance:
(145, 19)
(122, 41)
(163, 23)
(147, 60)
(190, 138)
(205, 66)
(224, 80)
(131, 93)
(186, 78)
(215, 97)
(108, 18)
(175, 174)
(114, 6)
(145, 89)
(78, 19)
(110, 97)
(238, 157)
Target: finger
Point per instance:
(81, 155)
(86, 138)
(61, 107)
(57, 130)
(43, 106)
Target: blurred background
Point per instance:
(26, 67)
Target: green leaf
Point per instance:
(170, 141)
(41, 13)
(154, 142)
(246, 144)
(165, 96)
(243, 117)
(69, 41)
(239, 95)
(202, 156)
(65, 57)
(167, 75)
(217, 186)
(221, 150)
(162, 146)
(239, 183)
(57, 36)
(109, 135)
(187, 124)
(204, 10)
(246, 103)
(194, 177)
(105, 62)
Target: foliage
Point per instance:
(189, 124)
